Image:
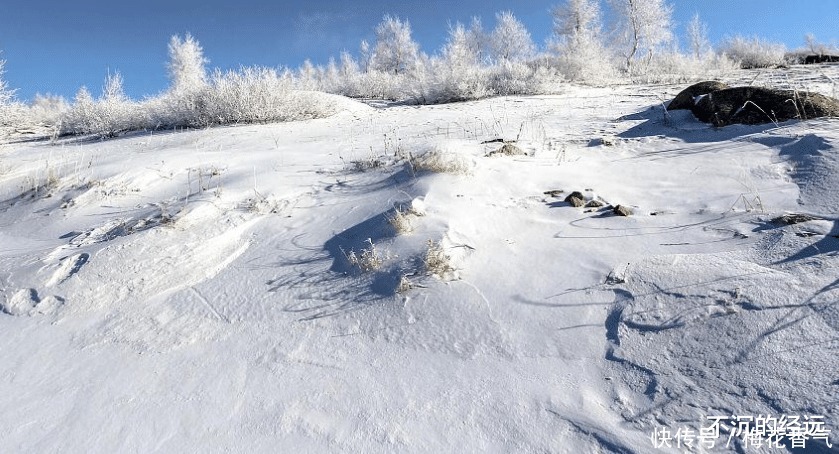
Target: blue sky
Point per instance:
(57, 46)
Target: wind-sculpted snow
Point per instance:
(318, 286)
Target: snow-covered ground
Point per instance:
(196, 291)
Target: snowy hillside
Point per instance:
(379, 281)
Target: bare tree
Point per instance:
(644, 25)
(186, 64)
(510, 40)
(396, 52)
(817, 48)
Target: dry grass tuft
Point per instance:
(437, 262)
(440, 162)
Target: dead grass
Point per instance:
(437, 161)
(437, 262)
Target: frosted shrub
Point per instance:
(380, 85)
(47, 110)
(178, 109)
(248, 95)
(400, 220)
(369, 259)
(107, 116)
(675, 67)
(585, 59)
(753, 52)
(13, 115)
(514, 78)
(460, 83)
(458, 74)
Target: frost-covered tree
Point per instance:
(116, 112)
(396, 52)
(644, 26)
(307, 76)
(459, 50)
(113, 91)
(6, 94)
(349, 74)
(510, 41)
(365, 56)
(697, 33)
(107, 116)
(10, 110)
(82, 117)
(578, 42)
(186, 65)
(348, 67)
(459, 73)
(477, 39)
(574, 18)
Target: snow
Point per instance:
(192, 291)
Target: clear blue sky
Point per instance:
(56, 46)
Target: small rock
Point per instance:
(602, 141)
(594, 204)
(576, 199)
(621, 210)
(554, 192)
(508, 149)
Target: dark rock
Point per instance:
(815, 59)
(576, 199)
(686, 98)
(554, 192)
(755, 105)
(621, 210)
(794, 218)
(594, 204)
